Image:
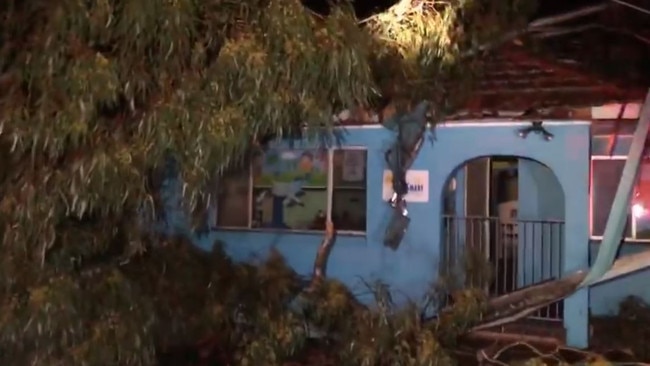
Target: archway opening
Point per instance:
(503, 226)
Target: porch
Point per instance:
(504, 254)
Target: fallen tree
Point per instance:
(96, 97)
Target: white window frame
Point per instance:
(633, 228)
(330, 195)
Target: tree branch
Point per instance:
(537, 24)
(324, 249)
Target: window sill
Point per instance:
(320, 188)
(306, 188)
(626, 240)
(285, 231)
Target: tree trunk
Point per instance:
(522, 303)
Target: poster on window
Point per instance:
(290, 189)
(353, 166)
(305, 167)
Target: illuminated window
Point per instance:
(297, 189)
(641, 203)
(606, 174)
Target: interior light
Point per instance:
(638, 210)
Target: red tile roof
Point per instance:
(516, 80)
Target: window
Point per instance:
(641, 204)
(606, 174)
(297, 189)
(449, 201)
(233, 197)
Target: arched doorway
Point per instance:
(503, 226)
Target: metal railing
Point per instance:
(503, 256)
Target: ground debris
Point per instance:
(525, 354)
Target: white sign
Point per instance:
(418, 185)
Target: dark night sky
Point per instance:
(367, 7)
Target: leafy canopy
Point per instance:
(95, 94)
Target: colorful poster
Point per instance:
(309, 167)
(354, 165)
(290, 188)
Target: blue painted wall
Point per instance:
(606, 297)
(414, 266)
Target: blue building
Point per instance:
(535, 208)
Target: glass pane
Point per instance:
(350, 168)
(449, 199)
(290, 189)
(606, 175)
(232, 200)
(349, 191)
(643, 227)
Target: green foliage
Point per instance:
(629, 329)
(95, 94)
(247, 310)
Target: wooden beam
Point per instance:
(611, 111)
(524, 302)
(548, 33)
(558, 89)
(513, 338)
(561, 18)
(540, 23)
(613, 138)
(632, 6)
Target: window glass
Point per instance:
(449, 204)
(606, 174)
(232, 201)
(349, 189)
(290, 189)
(641, 203)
